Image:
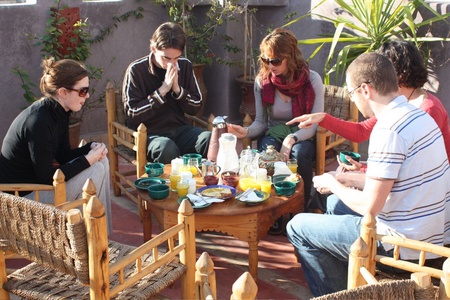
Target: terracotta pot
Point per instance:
(74, 134)
(67, 39)
(248, 97)
(198, 71)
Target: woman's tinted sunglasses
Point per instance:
(275, 62)
(81, 92)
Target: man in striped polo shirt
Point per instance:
(406, 185)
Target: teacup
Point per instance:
(188, 156)
(154, 169)
(353, 155)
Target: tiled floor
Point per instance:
(280, 276)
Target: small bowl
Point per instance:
(285, 188)
(188, 156)
(158, 191)
(154, 169)
(230, 178)
(353, 155)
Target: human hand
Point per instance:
(352, 179)
(324, 183)
(237, 130)
(355, 165)
(286, 147)
(169, 79)
(308, 120)
(98, 151)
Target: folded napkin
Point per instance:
(198, 201)
(251, 197)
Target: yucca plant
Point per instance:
(377, 21)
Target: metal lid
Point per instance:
(219, 122)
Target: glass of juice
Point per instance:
(292, 165)
(174, 177)
(266, 184)
(182, 188)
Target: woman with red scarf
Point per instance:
(284, 89)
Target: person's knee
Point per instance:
(203, 142)
(163, 150)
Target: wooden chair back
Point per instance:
(364, 257)
(73, 258)
(124, 143)
(59, 188)
(338, 104)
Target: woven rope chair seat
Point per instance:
(384, 290)
(128, 154)
(37, 282)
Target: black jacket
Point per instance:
(38, 136)
(143, 103)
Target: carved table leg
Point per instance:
(146, 218)
(253, 259)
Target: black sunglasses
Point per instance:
(275, 62)
(81, 92)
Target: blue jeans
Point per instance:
(303, 151)
(323, 245)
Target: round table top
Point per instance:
(229, 206)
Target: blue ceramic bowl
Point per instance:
(353, 155)
(158, 191)
(154, 169)
(285, 188)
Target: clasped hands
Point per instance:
(98, 152)
(170, 80)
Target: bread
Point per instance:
(293, 177)
(217, 192)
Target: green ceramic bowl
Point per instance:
(158, 191)
(285, 188)
(154, 169)
(353, 155)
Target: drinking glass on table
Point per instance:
(292, 165)
(174, 178)
(266, 184)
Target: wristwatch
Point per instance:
(294, 137)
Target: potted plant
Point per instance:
(363, 25)
(67, 36)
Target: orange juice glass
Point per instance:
(182, 189)
(266, 184)
(292, 165)
(248, 182)
(174, 178)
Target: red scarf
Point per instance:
(300, 90)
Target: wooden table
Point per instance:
(248, 223)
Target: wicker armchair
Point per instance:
(337, 104)
(364, 282)
(59, 188)
(72, 257)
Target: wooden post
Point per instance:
(141, 153)
(188, 255)
(205, 277)
(359, 253)
(98, 249)
(244, 288)
(3, 276)
(422, 282)
(368, 234)
(59, 183)
(110, 97)
(444, 286)
(210, 122)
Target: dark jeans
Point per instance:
(176, 142)
(304, 152)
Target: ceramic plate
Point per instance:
(194, 205)
(144, 183)
(263, 195)
(213, 188)
(281, 177)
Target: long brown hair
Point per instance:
(282, 43)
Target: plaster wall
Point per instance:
(130, 40)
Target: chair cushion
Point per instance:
(37, 282)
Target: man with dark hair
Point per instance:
(158, 90)
(406, 184)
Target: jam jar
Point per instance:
(268, 158)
